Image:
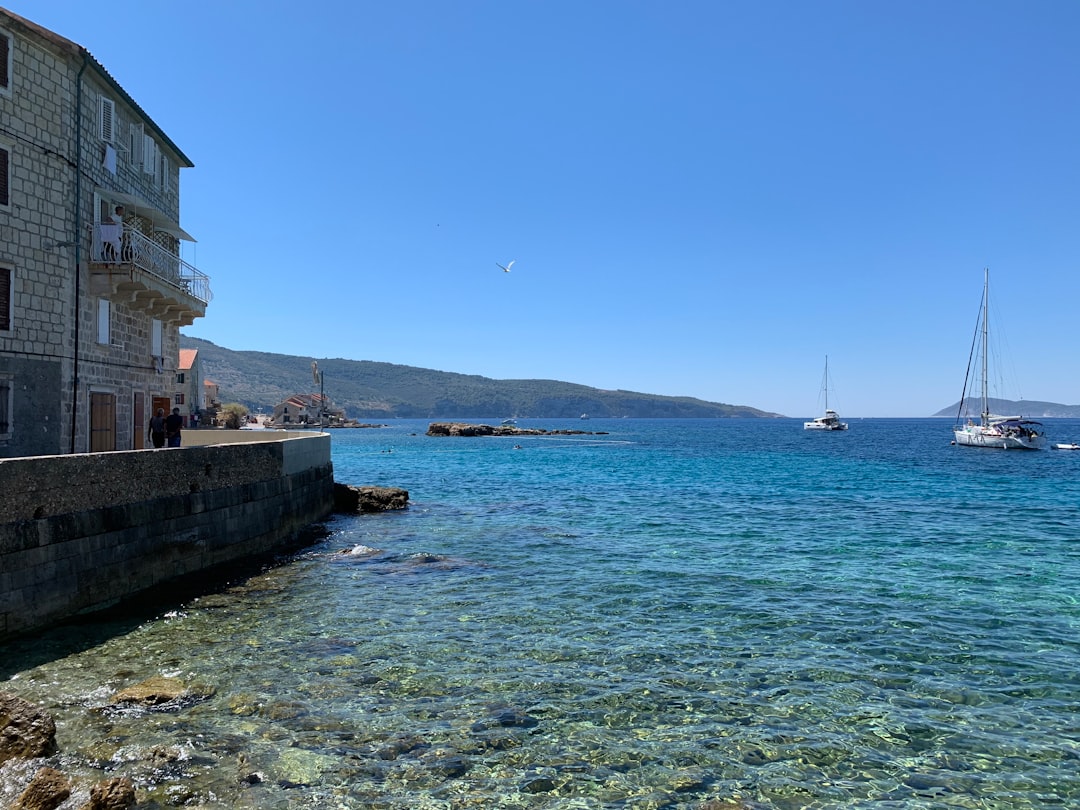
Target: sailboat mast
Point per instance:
(985, 342)
(826, 382)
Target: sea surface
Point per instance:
(711, 614)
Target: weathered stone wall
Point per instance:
(36, 351)
(81, 532)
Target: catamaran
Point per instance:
(831, 420)
(1002, 432)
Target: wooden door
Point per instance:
(102, 422)
(138, 422)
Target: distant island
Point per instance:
(378, 391)
(1028, 408)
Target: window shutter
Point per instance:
(5, 61)
(108, 119)
(103, 321)
(5, 406)
(5, 299)
(136, 133)
(5, 159)
(150, 156)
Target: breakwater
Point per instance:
(82, 532)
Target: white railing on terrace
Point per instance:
(133, 247)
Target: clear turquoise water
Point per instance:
(675, 613)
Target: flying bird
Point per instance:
(507, 268)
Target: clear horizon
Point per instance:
(934, 415)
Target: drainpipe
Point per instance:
(78, 246)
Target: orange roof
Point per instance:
(187, 358)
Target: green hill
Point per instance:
(377, 391)
(1029, 408)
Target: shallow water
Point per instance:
(671, 614)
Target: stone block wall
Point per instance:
(35, 352)
(82, 532)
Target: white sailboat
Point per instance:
(1002, 432)
(830, 421)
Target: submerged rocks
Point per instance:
(469, 429)
(47, 790)
(352, 499)
(26, 731)
(112, 794)
(160, 690)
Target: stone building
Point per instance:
(93, 291)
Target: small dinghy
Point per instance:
(1067, 446)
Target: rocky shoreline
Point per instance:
(351, 500)
(468, 429)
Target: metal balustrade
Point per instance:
(133, 248)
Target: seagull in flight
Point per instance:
(507, 268)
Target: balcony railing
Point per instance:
(130, 247)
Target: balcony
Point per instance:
(127, 267)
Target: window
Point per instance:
(180, 378)
(5, 407)
(5, 175)
(155, 337)
(103, 312)
(178, 399)
(6, 274)
(6, 47)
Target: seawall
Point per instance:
(81, 532)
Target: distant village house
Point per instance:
(308, 409)
(190, 394)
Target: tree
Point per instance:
(235, 414)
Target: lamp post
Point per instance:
(317, 376)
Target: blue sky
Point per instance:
(702, 198)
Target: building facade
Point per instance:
(190, 395)
(93, 291)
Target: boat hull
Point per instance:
(830, 421)
(983, 437)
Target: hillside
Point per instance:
(375, 391)
(1029, 408)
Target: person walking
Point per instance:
(173, 422)
(157, 428)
